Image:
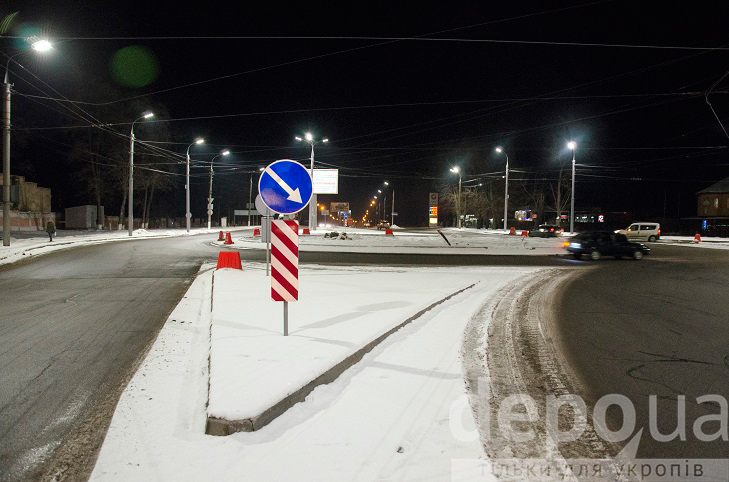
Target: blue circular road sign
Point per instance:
(285, 186)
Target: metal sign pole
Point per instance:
(268, 244)
(286, 318)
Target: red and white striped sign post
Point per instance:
(285, 264)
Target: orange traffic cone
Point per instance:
(228, 239)
(512, 231)
(525, 233)
(220, 237)
(256, 232)
(306, 231)
(389, 231)
(697, 238)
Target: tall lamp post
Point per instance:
(38, 46)
(506, 189)
(224, 152)
(188, 215)
(457, 170)
(572, 146)
(308, 137)
(392, 207)
(130, 198)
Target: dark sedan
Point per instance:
(599, 244)
(546, 231)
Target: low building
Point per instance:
(713, 209)
(82, 217)
(33, 208)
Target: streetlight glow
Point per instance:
(308, 136)
(498, 149)
(41, 45)
(455, 169)
(325, 140)
(200, 141)
(148, 115)
(572, 145)
(387, 183)
(225, 152)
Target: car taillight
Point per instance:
(551, 230)
(659, 232)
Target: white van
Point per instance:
(642, 232)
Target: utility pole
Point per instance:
(392, 211)
(250, 193)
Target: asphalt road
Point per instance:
(75, 324)
(655, 327)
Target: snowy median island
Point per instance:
(462, 241)
(390, 416)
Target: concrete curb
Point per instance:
(219, 426)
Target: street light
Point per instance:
(224, 152)
(130, 199)
(310, 139)
(457, 170)
(506, 189)
(39, 45)
(572, 146)
(188, 215)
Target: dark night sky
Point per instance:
(471, 96)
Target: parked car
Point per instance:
(598, 244)
(642, 232)
(546, 231)
(383, 225)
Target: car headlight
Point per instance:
(575, 245)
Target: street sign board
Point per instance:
(246, 212)
(338, 207)
(285, 186)
(284, 260)
(261, 207)
(326, 181)
(325, 212)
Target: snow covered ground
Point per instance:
(463, 241)
(388, 417)
(28, 244)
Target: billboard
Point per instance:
(325, 181)
(338, 207)
(433, 198)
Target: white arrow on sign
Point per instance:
(294, 194)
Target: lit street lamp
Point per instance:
(572, 146)
(457, 170)
(308, 137)
(506, 189)
(188, 215)
(40, 46)
(224, 152)
(130, 214)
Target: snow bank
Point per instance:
(387, 418)
(465, 242)
(34, 244)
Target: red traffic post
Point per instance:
(285, 265)
(525, 233)
(389, 231)
(697, 238)
(256, 232)
(229, 259)
(512, 231)
(228, 239)
(220, 237)
(306, 231)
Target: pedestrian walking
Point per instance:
(50, 229)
